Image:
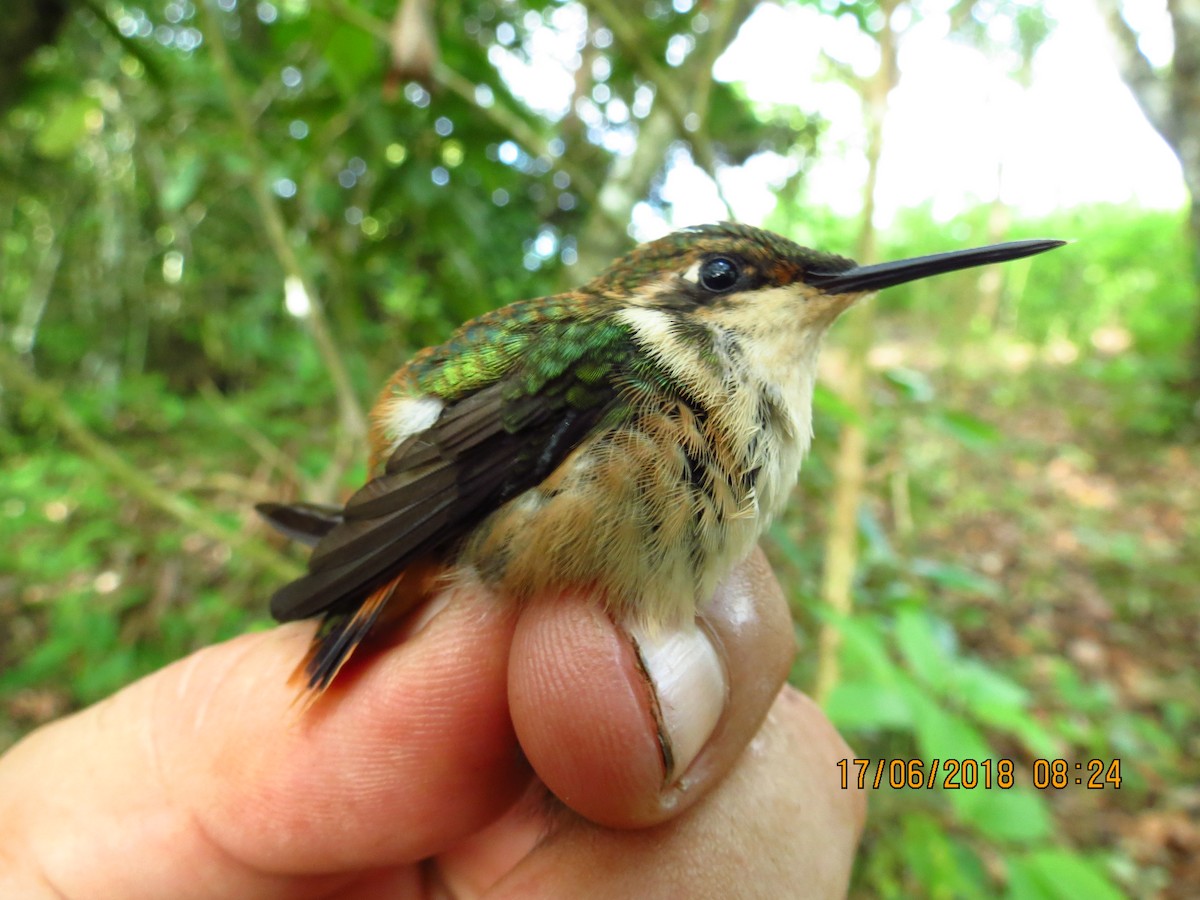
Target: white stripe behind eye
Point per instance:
(693, 274)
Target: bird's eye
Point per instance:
(718, 274)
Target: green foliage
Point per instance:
(103, 574)
(1055, 874)
(1010, 427)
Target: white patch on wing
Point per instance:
(408, 415)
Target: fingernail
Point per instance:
(689, 687)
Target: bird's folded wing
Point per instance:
(439, 483)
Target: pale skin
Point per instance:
(407, 781)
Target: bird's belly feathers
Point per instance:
(650, 515)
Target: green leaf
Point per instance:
(1012, 814)
(913, 384)
(943, 866)
(1000, 702)
(182, 183)
(943, 734)
(967, 429)
(927, 645)
(955, 577)
(865, 705)
(1058, 875)
(879, 548)
(65, 127)
(829, 405)
(353, 57)
(864, 650)
(1018, 814)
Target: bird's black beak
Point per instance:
(881, 275)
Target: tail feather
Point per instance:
(341, 633)
(337, 639)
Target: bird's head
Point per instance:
(730, 272)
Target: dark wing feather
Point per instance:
(436, 486)
(303, 522)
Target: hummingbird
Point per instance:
(631, 438)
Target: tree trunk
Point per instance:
(1170, 99)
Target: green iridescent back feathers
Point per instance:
(545, 347)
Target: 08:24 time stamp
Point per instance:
(971, 774)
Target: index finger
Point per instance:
(208, 770)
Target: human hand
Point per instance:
(203, 780)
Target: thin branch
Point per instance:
(729, 17)
(698, 76)
(454, 82)
(135, 48)
(354, 423)
(253, 438)
(632, 47)
(850, 465)
(110, 461)
(521, 132)
(37, 297)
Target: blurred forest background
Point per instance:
(223, 224)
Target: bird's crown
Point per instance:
(738, 256)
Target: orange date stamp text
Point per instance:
(967, 773)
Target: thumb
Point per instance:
(631, 729)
